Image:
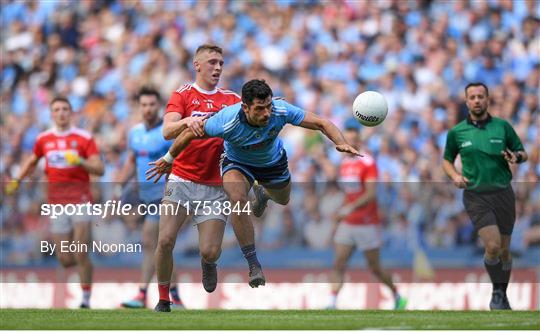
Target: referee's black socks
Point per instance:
(495, 271)
(506, 268)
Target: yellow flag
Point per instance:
(422, 268)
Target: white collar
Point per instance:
(201, 90)
(62, 133)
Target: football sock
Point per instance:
(174, 293)
(494, 269)
(163, 288)
(506, 271)
(251, 255)
(333, 299)
(86, 291)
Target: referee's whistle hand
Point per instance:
(509, 156)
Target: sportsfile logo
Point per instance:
(371, 118)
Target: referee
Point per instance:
(487, 145)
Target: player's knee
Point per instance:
(493, 249)
(210, 253)
(340, 265)
(81, 257)
(238, 197)
(166, 244)
(67, 260)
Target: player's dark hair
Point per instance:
(209, 47)
(148, 91)
(473, 84)
(255, 89)
(62, 99)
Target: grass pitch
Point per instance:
(140, 319)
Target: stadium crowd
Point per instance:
(316, 54)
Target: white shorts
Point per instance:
(193, 195)
(63, 223)
(363, 237)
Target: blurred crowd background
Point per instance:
(316, 54)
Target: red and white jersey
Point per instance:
(353, 175)
(67, 183)
(199, 162)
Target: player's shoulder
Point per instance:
(460, 126)
(227, 92)
(500, 121)
(79, 132)
(184, 89)
(45, 134)
(137, 128)
(280, 103)
(230, 117)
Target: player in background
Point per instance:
(196, 177)
(357, 225)
(145, 142)
(253, 152)
(487, 145)
(71, 156)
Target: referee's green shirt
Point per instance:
(480, 147)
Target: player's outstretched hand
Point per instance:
(348, 149)
(11, 187)
(460, 181)
(509, 156)
(196, 124)
(160, 168)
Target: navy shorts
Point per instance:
(492, 208)
(276, 176)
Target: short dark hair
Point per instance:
(473, 84)
(255, 89)
(209, 47)
(148, 91)
(62, 99)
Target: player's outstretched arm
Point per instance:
(26, 169)
(164, 164)
(312, 121)
(174, 125)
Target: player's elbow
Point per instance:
(324, 125)
(98, 169)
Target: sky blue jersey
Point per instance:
(246, 144)
(147, 145)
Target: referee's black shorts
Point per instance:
(492, 208)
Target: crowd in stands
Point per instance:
(316, 54)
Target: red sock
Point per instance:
(86, 291)
(164, 290)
